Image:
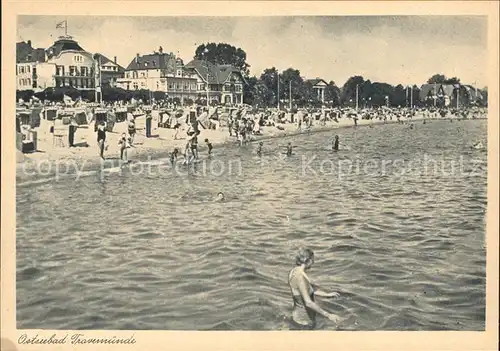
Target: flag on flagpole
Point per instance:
(61, 24)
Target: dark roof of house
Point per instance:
(63, 44)
(26, 53)
(427, 89)
(217, 74)
(154, 61)
(105, 60)
(472, 92)
(316, 81)
(448, 89)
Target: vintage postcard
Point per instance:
(323, 170)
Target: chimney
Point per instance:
(137, 58)
(115, 60)
(160, 50)
(29, 42)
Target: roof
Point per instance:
(26, 53)
(427, 89)
(448, 89)
(105, 60)
(316, 81)
(474, 93)
(153, 61)
(63, 44)
(217, 74)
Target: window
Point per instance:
(78, 58)
(186, 86)
(201, 87)
(28, 81)
(171, 86)
(135, 74)
(178, 86)
(238, 88)
(21, 69)
(143, 74)
(136, 86)
(27, 69)
(143, 84)
(84, 71)
(227, 87)
(72, 71)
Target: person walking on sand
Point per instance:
(131, 130)
(101, 138)
(304, 292)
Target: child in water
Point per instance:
(289, 150)
(210, 147)
(335, 146)
(259, 149)
(173, 156)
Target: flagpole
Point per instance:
(278, 91)
(411, 98)
(290, 95)
(357, 96)
(66, 27)
(435, 94)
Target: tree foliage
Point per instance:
(223, 54)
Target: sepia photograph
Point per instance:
(250, 173)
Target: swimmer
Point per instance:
(220, 197)
(259, 149)
(335, 146)
(303, 293)
(478, 145)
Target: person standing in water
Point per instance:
(124, 145)
(101, 138)
(289, 150)
(210, 147)
(173, 156)
(259, 149)
(303, 293)
(335, 146)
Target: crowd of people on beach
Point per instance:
(243, 123)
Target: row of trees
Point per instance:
(273, 86)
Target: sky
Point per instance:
(392, 49)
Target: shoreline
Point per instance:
(79, 166)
